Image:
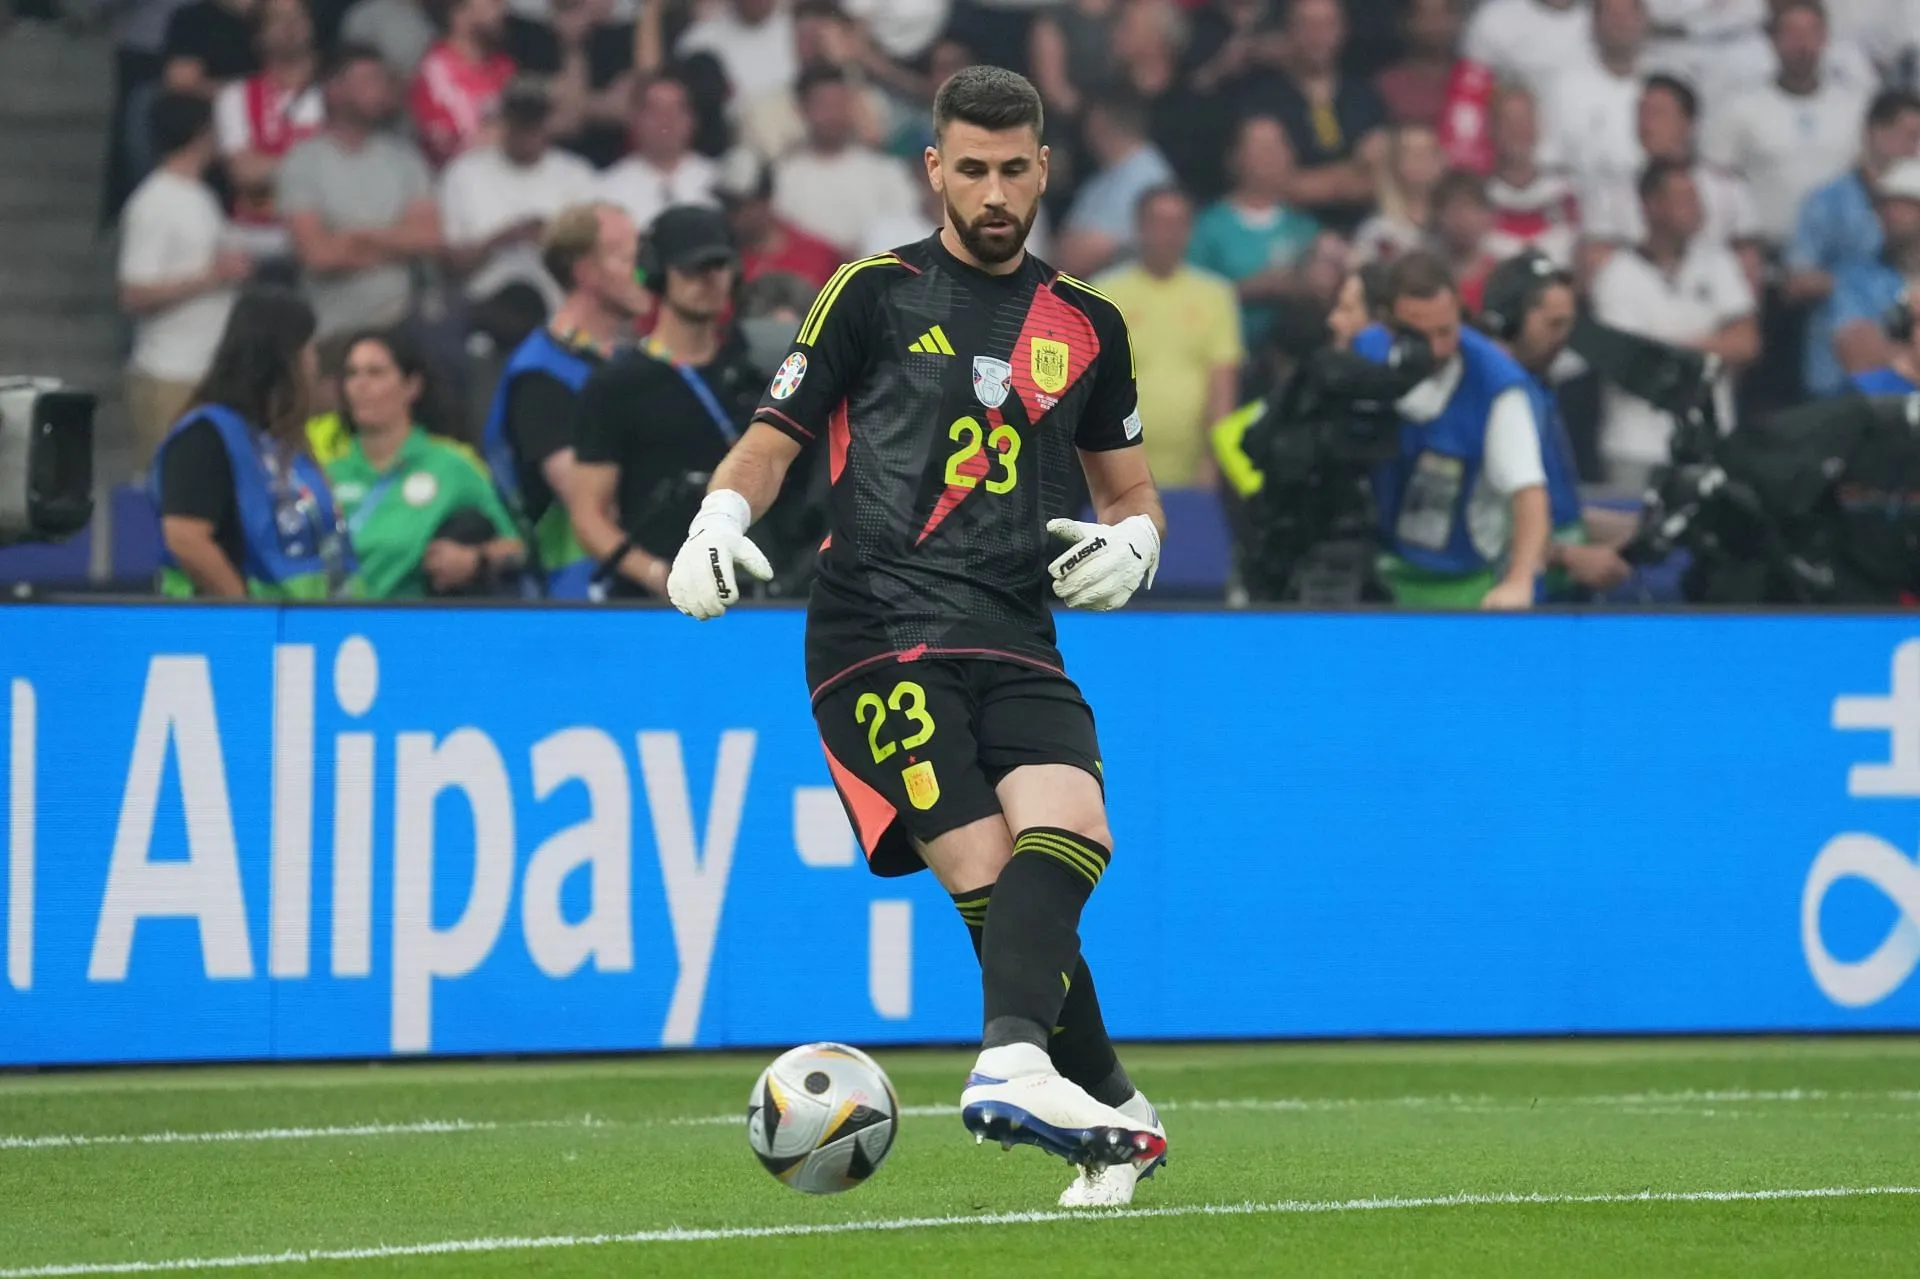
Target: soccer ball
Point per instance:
(822, 1118)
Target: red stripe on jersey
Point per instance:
(921, 651)
(975, 466)
(1053, 319)
(772, 412)
(838, 438)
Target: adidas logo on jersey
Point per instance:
(932, 342)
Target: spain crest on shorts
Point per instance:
(923, 788)
(1050, 365)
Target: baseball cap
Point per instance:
(688, 236)
(1901, 182)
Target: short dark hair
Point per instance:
(991, 98)
(1373, 285)
(1889, 105)
(1682, 93)
(1781, 8)
(1417, 274)
(816, 74)
(349, 54)
(177, 120)
(1458, 184)
(1164, 190)
(1654, 178)
(1124, 111)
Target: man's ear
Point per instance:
(1046, 155)
(934, 174)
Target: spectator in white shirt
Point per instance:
(1533, 206)
(1532, 41)
(1587, 115)
(1664, 127)
(1676, 287)
(834, 187)
(1792, 135)
(1414, 166)
(664, 169)
(496, 202)
(753, 42)
(770, 120)
(176, 280)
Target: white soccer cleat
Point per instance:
(1112, 1187)
(1015, 1097)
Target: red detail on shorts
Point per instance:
(773, 412)
(871, 812)
(1052, 317)
(920, 651)
(838, 438)
(826, 541)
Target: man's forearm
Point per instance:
(600, 537)
(1531, 533)
(751, 474)
(145, 299)
(1141, 499)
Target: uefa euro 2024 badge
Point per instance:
(787, 380)
(1869, 858)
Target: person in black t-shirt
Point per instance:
(953, 383)
(654, 422)
(587, 59)
(1337, 124)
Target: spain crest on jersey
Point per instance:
(992, 380)
(1050, 365)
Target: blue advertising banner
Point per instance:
(238, 833)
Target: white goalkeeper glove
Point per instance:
(701, 583)
(1105, 563)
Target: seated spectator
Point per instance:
(1185, 331)
(1865, 290)
(1415, 88)
(1533, 208)
(771, 121)
(1532, 42)
(1407, 181)
(1190, 128)
(1718, 47)
(888, 233)
(496, 202)
(1463, 234)
(754, 42)
(1252, 238)
(1610, 214)
(359, 203)
(399, 29)
(1794, 134)
(259, 119)
(209, 44)
(245, 512)
(176, 279)
(894, 38)
(769, 244)
(1838, 226)
(405, 493)
(835, 187)
(1337, 125)
(1586, 114)
(1071, 54)
(1233, 39)
(1678, 287)
(585, 52)
(1100, 227)
(663, 169)
(458, 84)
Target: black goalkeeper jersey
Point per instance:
(951, 402)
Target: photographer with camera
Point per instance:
(1463, 505)
(1529, 310)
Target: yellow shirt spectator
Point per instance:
(1185, 326)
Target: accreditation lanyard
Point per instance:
(702, 392)
(370, 503)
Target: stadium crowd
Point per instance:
(444, 179)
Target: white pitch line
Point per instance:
(881, 1225)
(61, 1141)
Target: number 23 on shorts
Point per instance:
(910, 701)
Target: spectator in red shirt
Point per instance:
(1415, 89)
(1463, 232)
(458, 85)
(1533, 207)
(1465, 132)
(259, 119)
(766, 243)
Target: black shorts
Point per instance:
(917, 748)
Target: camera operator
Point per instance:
(654, 421)
(1528, 309)
(1463, 507)
(1900, 375)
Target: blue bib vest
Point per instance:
(1883, 381)
(1424, 494)
(296, 547)
(1556, 457)
(567, 569)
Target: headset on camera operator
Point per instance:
(1900, 375)
(1463, 506)
(1528, 308)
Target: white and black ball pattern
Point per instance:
(822, 1118)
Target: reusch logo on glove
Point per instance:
(719, 574)
(1084, 550)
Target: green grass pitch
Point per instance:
(1615, 1159)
